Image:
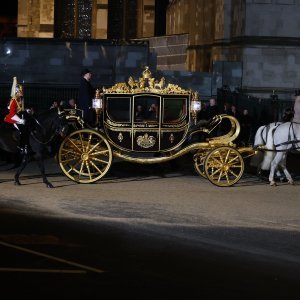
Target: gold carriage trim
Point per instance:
(146, 141)
(109, 122)
(147, 84)
(182, 124)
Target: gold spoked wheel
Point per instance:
(199, 160)
(224, 166)
(85, 156)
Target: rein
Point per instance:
(41, 142)
(44, 129)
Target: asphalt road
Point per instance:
(148, 232)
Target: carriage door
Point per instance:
(146, 122)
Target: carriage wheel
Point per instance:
(199, 160)
(85, 156)
(224, 166)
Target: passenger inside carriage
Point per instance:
(153, 112)
(139, 113)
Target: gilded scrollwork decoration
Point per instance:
(146, 83)
(171, 138)
(120, 137)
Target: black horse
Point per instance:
(43, 130)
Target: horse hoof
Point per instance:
(49, 185)
(291, 182)
(272, 183)
(17, 183)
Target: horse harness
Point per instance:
(60, 115)
(291, 140)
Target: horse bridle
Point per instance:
(61, 115)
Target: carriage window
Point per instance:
(174, 110)
(146, 108)
(118, 109)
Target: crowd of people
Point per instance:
(247, 122)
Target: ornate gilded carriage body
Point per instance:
(146, 122)
(141, 118)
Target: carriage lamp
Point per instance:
(97, 101)
(195, 106)
(97, 105)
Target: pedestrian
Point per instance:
(246, 122)
(71, 104)
(288, 115)
(86, 94)
(54, 104)
(212, 109)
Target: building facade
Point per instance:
(86, 19)
(262, 34)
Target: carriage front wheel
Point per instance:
(85, 156)
(199, 160)
(224, 166)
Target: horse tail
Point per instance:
(269, 155)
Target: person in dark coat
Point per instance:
(212, 109)
(86, 94)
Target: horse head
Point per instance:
(52, 123)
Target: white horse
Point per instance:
(286, 137)
(264, 138)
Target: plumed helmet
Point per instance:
(16, 88)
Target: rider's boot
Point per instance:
(24, 146)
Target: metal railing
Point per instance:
(41, 96)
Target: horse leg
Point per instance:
(21, 168)
(285, 170)
(41, 166)
(274, 164)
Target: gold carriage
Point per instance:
(147, 121)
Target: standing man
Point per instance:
(86, 94)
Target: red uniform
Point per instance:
(14, 108)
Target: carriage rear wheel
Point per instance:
(224, 166)
(85, 156)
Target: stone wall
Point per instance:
(169, 52)
(36, 18)
(276, 18)
(261, 34)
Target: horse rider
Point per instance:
(13, 117)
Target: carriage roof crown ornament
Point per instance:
(147, 73)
